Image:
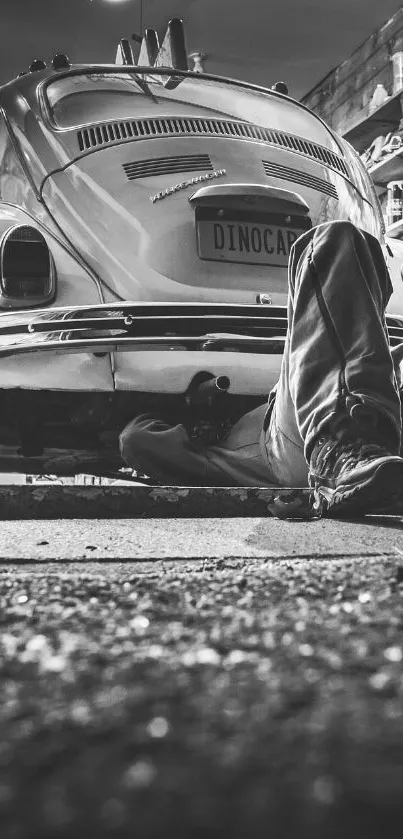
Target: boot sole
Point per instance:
(382, 489)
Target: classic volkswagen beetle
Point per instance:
(146, 219)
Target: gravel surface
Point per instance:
(258, 698)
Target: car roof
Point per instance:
(28, 83)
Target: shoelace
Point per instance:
(346, 450)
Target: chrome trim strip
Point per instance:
(129, 323)
(208, 342)
(144, 326)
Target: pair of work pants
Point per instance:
(336, 363)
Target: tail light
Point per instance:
(28, 276)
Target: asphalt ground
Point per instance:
(197, 678)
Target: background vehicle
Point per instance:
(146, 219)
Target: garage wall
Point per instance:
(343, 96)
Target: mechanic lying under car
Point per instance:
(334, 418)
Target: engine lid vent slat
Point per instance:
(127, 130)
(154, 166)
(275, 170)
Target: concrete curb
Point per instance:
(86, 502)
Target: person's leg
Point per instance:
(337, 364)
(166, 453)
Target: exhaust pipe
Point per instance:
(209, 393)
(207, 402)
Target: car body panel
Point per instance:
(120, 239)
(109, 218)
(52, 371)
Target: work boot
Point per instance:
(351, 475)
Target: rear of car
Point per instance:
(159, 208)
(194, 190)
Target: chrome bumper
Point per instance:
(129, 327)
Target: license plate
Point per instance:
(249, 242)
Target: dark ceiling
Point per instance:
(259, 40)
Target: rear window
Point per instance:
(79, 100)
(74, 101)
